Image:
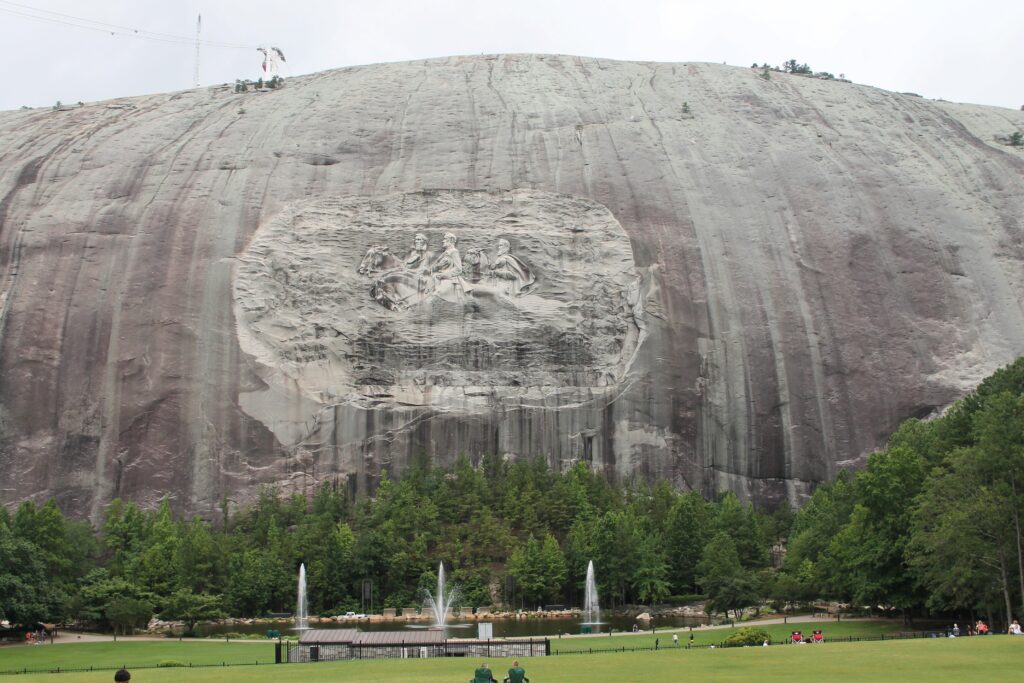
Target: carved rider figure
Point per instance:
(511, 276)
(420, 258)
(447, 269)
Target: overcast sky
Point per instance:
(963, 51)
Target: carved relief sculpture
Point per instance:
(510, 275)
(528, 315)
(447, 271)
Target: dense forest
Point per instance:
(931, 524)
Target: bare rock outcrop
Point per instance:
(525, 255)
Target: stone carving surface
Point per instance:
(422, 276)
(203, 292)
(323, 298)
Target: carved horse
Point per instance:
(399, 289)
(378, 258)
(474, 265)
(395, 288)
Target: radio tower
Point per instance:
(195, 73)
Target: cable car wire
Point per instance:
(28, 12)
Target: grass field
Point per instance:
(207, 651)
(777, 632)
(992, 658)
(134, 653)
(995, 658)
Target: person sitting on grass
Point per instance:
(483, 675)
(516, 674)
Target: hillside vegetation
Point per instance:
(931, 523)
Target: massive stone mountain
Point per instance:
(682, 271)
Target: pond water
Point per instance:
(503, 628)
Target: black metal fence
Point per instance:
(68, 670)
(321, 652)
(917, 635)
(331, 652)
(498, 648)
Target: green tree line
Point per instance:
(931, 523)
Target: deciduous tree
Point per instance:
(721, 576)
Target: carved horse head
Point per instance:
(476, 257)
(474, 263)
(374, 259)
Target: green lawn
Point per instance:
(133, 653)
(994, 658)
(209, 651)
(779, 632)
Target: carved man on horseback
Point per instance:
(402, 282)
(447, 270)
(420, 258)
(422, 274)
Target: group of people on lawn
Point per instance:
(981, 629)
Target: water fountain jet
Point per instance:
(442, 601)
(591, 607)
(302, 606)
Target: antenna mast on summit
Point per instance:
(195, 73)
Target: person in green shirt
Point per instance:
(483, 675)
(516, 674)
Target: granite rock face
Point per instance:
(527, 255)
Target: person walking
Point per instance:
(516, 674)
(675, 639)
